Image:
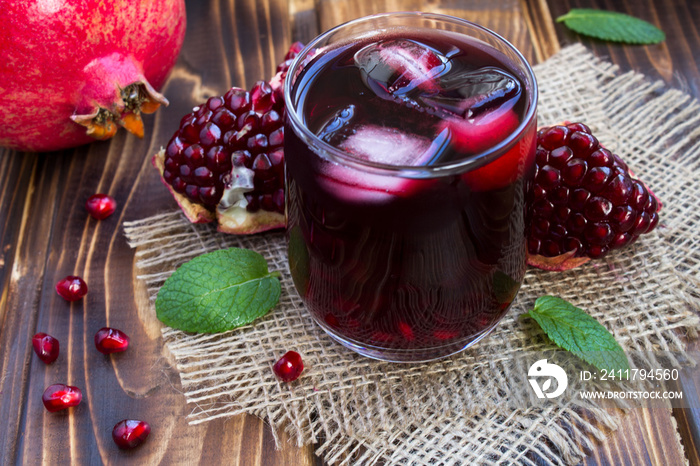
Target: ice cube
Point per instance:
(477, 134)
(472, 92)
(388, 146)
(380, 145)
(399, 66)
(338, 126)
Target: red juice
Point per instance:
(409, 155)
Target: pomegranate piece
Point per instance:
(130, 433)
(226, 160)
(59, 396)
(100, 206)
(226, 144)
(46, 347)
(110, 340)
(72, 288)
(585, 200)
(289, 367)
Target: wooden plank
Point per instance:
(508, 18)
(647, 436)
(17, 171)
(541, 28)
(688, 418)
(676, 60)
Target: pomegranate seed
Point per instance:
(601, 158)
(406, 331)
(130, 433)
(46, 347)
(444, 334)
(101, 206)
(597, 208)
(555, 137)
(60, 396)
(550, 248)
(331, 320)
(548, 176)
(110, 340)
(295, 48)
(562, 213)
(72, 288)
(215, 102)
(534, 245)
(289, 366)
(209, 135)
(574, 171)
(578, 126)
(541, 226)
(596, 178)
(582, 143)
(559, 156)
(623, 218)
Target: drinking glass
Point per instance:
(407, 261)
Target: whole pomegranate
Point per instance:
(72, 71)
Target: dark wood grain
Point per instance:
(45, 234)
(688, 419)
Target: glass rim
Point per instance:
(348, 159)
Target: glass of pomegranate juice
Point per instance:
(409, 146)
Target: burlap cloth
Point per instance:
(460, 410)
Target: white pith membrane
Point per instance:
(233, 202)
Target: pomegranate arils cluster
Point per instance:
(226, 160)
(241, 129)
(585, 202)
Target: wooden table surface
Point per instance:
(45, 235)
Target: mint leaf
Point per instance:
(218, 291)
(575, 331)
(612, 26)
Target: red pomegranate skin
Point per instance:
(60, 58)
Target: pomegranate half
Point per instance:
(72, 71)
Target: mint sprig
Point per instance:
(218, 291)
(612, 26)
(573, 330)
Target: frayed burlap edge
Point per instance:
(461, 410)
